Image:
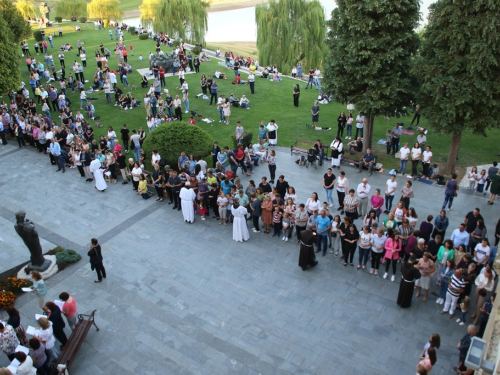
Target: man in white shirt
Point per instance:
(421, 139)
(426, 161)
(317, 73)
(251, 81)
(112, 79)
(390, 189)
(363, 191)
(404, 153)
(239, 132)
(244, 102)
(360, 123)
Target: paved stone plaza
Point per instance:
(186, 299)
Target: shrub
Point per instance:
(196, 50)
(67, 256)
(143, 36)
(82, 19)
(7, 299)
(247, 138)
(177, 42)
(173, 138)
(131, 30)
(37, 35)
(58, 19)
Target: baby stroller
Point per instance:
(311, 158)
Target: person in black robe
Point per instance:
(307, 241)
(57, 322)
(409, 275)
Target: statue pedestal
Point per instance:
(49, 266)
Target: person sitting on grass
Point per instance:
(218, 74)
(244, 102)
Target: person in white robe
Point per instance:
(95, 169)
(240, 229)
(336, 148)
(187, 196)
(272, 133)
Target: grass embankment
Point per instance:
(271, 101)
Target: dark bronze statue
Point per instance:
(26, 230)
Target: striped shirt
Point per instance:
(454, 286)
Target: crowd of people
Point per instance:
(459, 263)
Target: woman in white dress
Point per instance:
(272, 133)
(336, 148)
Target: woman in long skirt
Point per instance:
(336, 154)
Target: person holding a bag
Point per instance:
(96, 259)
(450, 191)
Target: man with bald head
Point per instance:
(363, 192)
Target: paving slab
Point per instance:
(186, 299)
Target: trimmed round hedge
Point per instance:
(173, 138)
(143, 36)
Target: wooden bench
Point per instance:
(301, 145)
(75, 341)
(351, 156)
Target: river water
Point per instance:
(238, 25)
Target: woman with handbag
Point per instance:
(96, 259)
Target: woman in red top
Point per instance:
(392, 249)
(69, 309)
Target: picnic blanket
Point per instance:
(407, 132)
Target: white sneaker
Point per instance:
(393, 278)
(442, 301)
(286, 239)
(459, 320)
(346, 137)
(438, 300)
(331, 205)
(385, 275)
(371, 271)
(186, 112)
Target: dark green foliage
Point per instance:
(67, 256)
(459, 67)
(196, 50)
(247, 138)
(18, 28)
(82, 19)
(371, 44)
(290, 31)
(37, 34)
(57, 249)
(131, 30)
(143, 36)
(176, 42)
(58, 19)
(173, 138)
(9, 65)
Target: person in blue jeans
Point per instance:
(310, 79)
(328, 185)
(323, 226)
(450, 191)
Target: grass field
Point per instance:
(272, 100)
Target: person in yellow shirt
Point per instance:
(143, 187)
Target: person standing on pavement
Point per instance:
(96, 259)
(390, 188)
(323, 226)
(328, 185)
(55, 150)
(363, 192)
(307, 240)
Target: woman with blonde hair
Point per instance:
(39, 288)
(46, 336)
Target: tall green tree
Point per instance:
(71, 8)
(459, 66)
(26, 8)
(290, 31)
(9, 67)
(371, 44)
(15, 22)
(186, 19)
(106, 10)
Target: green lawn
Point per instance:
(271, 101)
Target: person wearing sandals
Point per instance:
(392, 249)
(365, 240)
(95, 255)
(335, 236)
(426, 267)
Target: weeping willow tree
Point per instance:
(186, 19)
(290, 31)
(26, 8)
(105, 9)
(71, 8)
